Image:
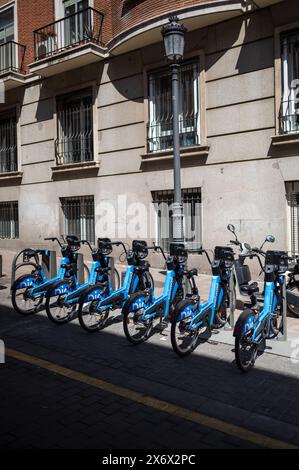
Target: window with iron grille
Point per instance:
(78, 215)
(191, 199)
(8, 143)
(289, 112)
(75, 128)
(160, 133)
(292, 189)
(9, 220)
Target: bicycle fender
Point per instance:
(91, 293)
(57, 288)
(184, 309)
(23, 282)
(244, 323)
(135, 302)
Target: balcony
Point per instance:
(12, 64)
(69, 43)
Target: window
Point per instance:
(7, 49)
(289, 113)
(163, 201)
(78, 21)
(8, 143)
(293, 202)
(78, 215)
(160, 108)
(75, 128)
(9, 220)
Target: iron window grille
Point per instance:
(78, 217)
(160, 127)
(8, 143)
(192, 207)
(75, 129)
(293, 202)
(289, 110)
(9, 220)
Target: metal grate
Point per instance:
(160, 133)
(9, 220)
(191, 199)
(79, 218)
(8, 144)
(75, 129)
(289, 110)
(12, 57)
(293, 201)
(78, 28)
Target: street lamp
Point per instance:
(174, 41)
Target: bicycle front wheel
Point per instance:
(245, 353)
(136, 329)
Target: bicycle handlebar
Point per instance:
(200, 252)
(53, 239)
(122, 244)
(156, 248)
(86, 242)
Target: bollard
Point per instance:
(112, 277)
(49, 263)
(284, 335)
(80, 268)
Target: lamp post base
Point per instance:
(178, 223)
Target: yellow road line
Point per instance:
(160, 405)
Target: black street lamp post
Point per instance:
(174, 42)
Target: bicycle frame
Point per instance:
(119, 296)
(164, 301)
(261, 322)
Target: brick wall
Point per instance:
(129, 13)
(119, 16)
(33, 14)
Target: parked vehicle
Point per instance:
(28, 291)
(62, 297)
(257, 324)
(193, 320)
(142, 309)
(95, 306)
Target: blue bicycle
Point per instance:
(257, 324)
(142, 309)
(96, 304)
(193, 320)
(28, 290)
(62, 297)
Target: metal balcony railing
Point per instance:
(289, 117)
(73, 30)
(12, 57)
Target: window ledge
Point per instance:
(72, 167)
(286, 139)
(167, 155)
(13, 175)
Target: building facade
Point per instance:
(86, 131)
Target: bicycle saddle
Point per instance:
(250, 289)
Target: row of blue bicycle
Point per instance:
(192, 320)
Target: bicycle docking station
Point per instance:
(47, 259)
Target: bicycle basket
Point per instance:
(139, 247)
(104, 246)
(279, 259)
(224, 253)
(73, 242)
(178, 250)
